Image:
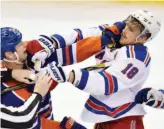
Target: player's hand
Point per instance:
(56, 72)
(69, 123)
(47, 43)
(39, 59)
(155, 98)
(112, 34)
(21, 75)
(42, 85)
(150, 97)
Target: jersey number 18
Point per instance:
(130, 71)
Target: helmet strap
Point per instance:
(14, 61)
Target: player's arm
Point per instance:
(78, 52)
(71, 54)
(49, 42)
(20, 117)
(67, 38)
(151, 97)
(44, 47)
(121, 75)
(87, 47)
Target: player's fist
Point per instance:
(112, 34)
(150, 97)
(155, 98)
(56, 72)
(69, 123)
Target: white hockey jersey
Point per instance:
(113, 89)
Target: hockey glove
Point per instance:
(56, 72)
(150, 97)
(69, 123)
(47, 43)
(112, 34)
(39, 59)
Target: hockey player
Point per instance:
(113, 89)
(96, 44)
(43, 117)
(151, 97)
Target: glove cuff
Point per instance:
(67, 123)
(63, 122)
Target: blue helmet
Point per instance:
(10, 37)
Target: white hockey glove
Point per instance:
(56, 72)
(150, 97)
(155, 99)
(47, 43)
(39, 59)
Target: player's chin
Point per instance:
(24, 57)
(122, 41)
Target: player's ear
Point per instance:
(142, 39)
(10, 56)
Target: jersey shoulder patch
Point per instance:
(139, 52)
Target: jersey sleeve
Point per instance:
(23, 116)
(119, 76)
(73, 36)
(67, 38)
(64, 39)
(69, 53)
(78, 52)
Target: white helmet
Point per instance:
(150, 23)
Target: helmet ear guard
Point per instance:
(15, 61)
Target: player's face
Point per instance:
(21, 51)
(130, 34)
(22, 54)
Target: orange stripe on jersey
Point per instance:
(23, 93)
(113, 28)
(87, 47)
(110, 79)
(67, 55)
(49, 124)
